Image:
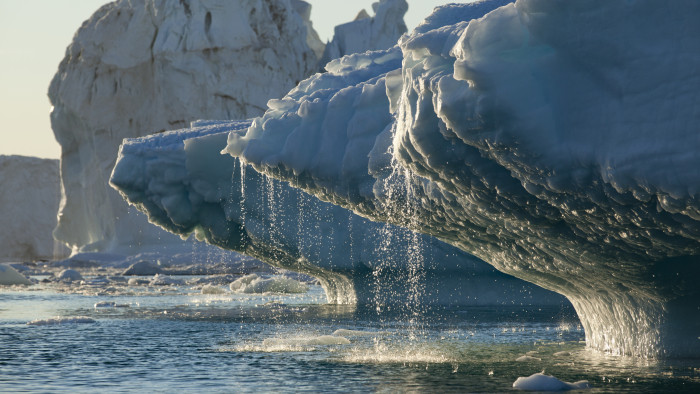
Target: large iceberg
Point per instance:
(142, 66)
(29, 199)
(366, 32)
(555, 140)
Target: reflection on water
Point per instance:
(174, 338)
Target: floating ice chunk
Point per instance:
(137, 282)
(239, 284)
(142, 268)
(69, 276)
(355, 333)
(542, 382)
(252, 283)
(209, 289)
(161, 280)
(10, 276)
(61, 320)
(322, 340)
(562, 354)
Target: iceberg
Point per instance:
(556, 141)
(368, 33)
(29, 199)
(183, 183)
(141, 66)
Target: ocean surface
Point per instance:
(141, 338)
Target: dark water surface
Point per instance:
(176, 340)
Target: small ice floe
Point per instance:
(562, 354)
(322, 340)
(138, 282)
(355, 333)
(143, 268)
(527, 358)
(61, 320)
(69, 275)
(110, 304)
(161, 280)
(209, 289)
(10, 276)
(253, 284)
(541, 382)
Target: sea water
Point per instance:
(113, 337)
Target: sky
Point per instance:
(34, 35)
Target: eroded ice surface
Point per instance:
(185, 185)
(555, 140)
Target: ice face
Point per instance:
(138, 67)
(183, 183)
(29, 199)
(368, 33)
(554, 140)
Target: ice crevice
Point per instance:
(556, 141)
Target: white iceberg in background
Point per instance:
(555, 140)
(29, 199)
(138, 67)
(368, 33)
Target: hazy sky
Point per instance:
(34, 35)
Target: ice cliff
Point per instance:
(29, 199)
(555, 140)
(142, 66)
(367, 33)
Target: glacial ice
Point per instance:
(254, 284)
(141, 66)
(186, 186)
(29, 199)
(10, 276)
(368, 33)
(144, 66)
(554, 140)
